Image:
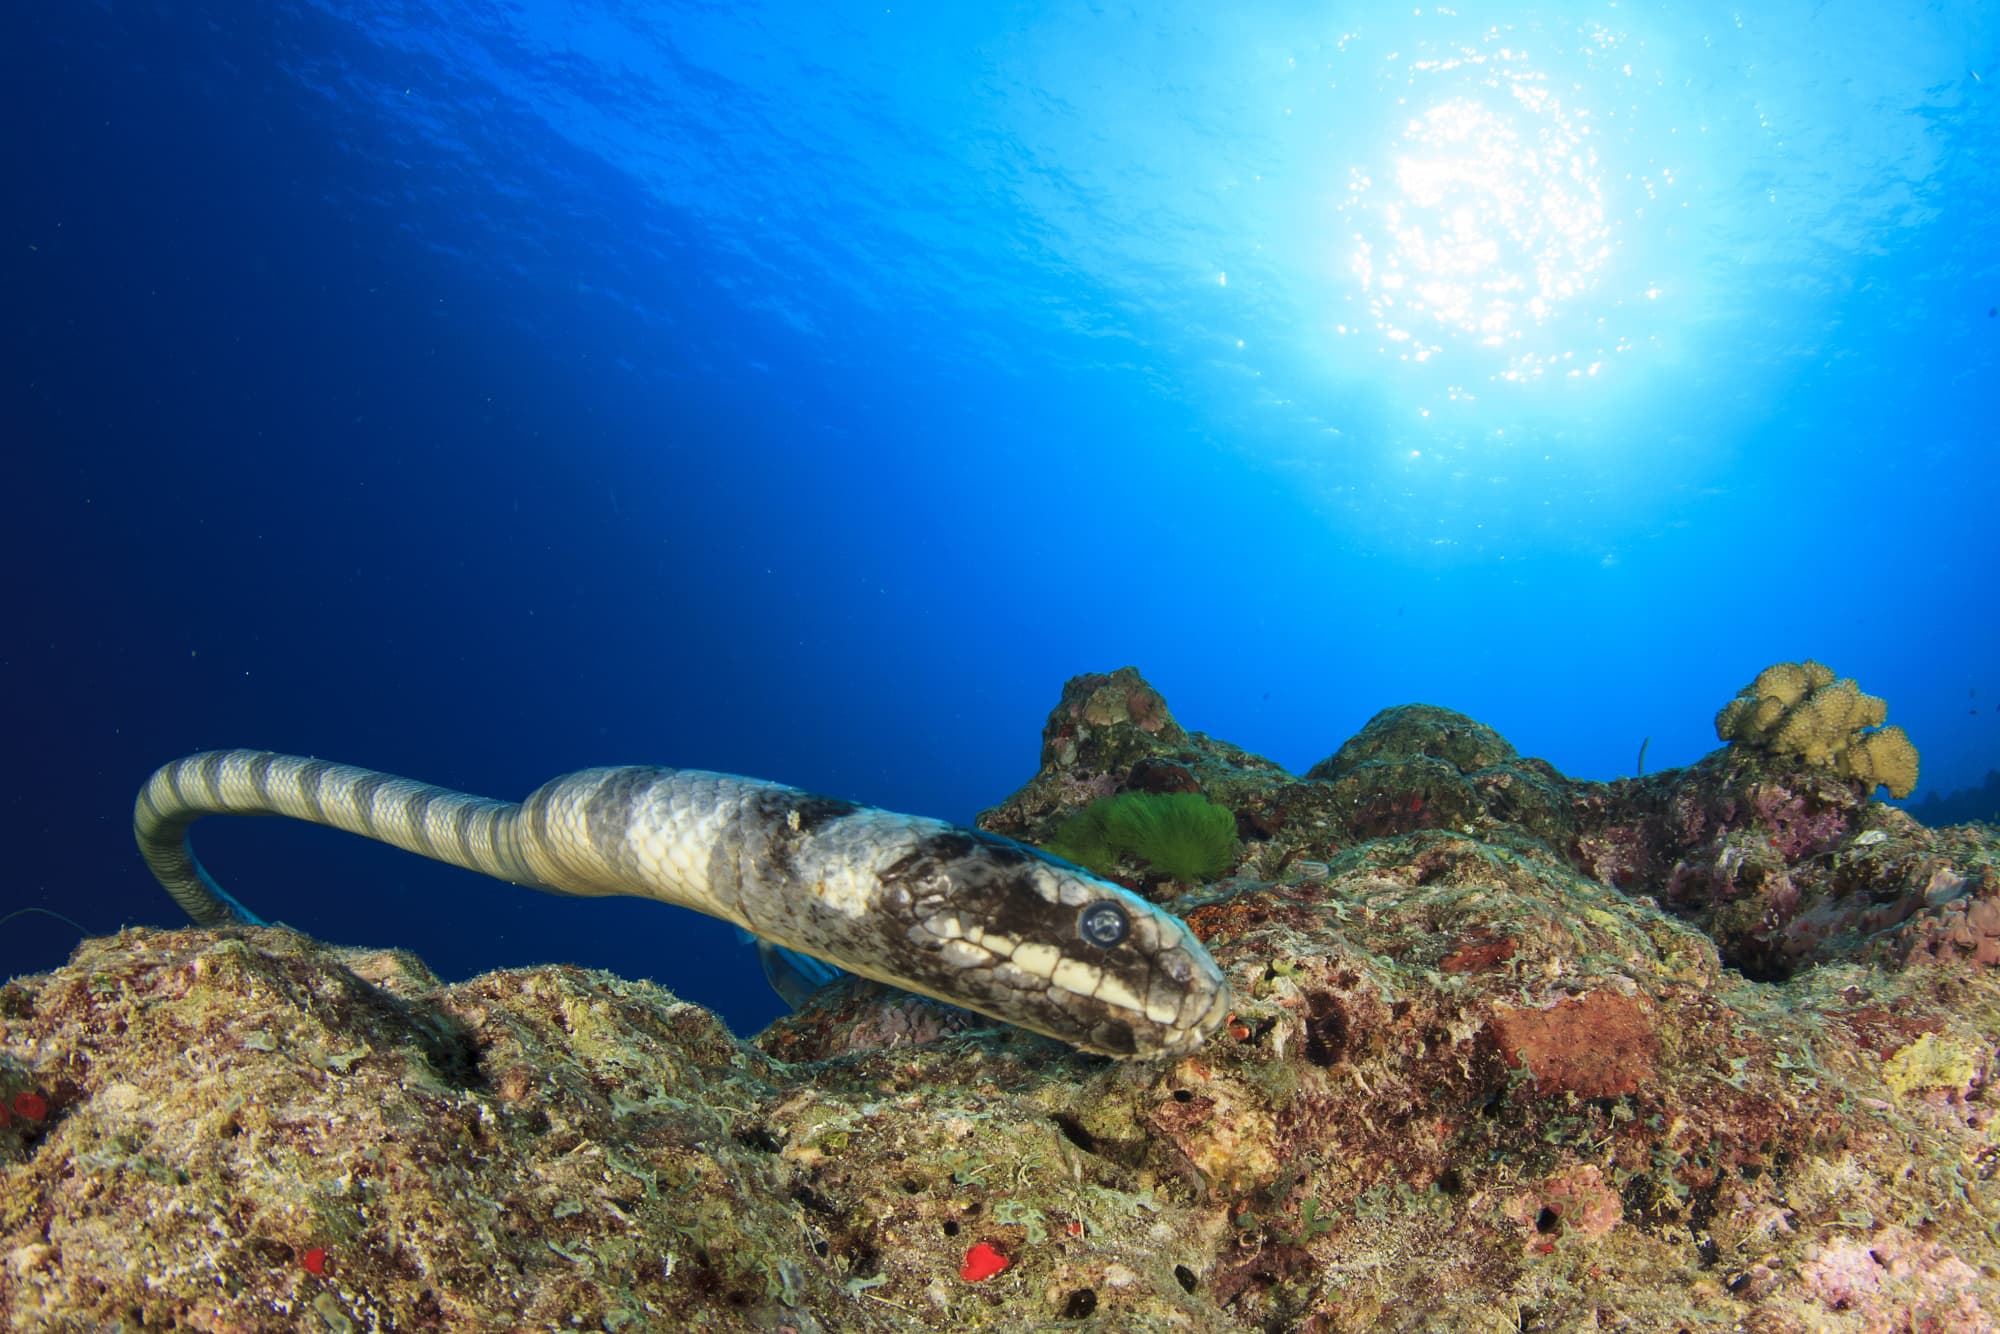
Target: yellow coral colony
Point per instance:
(1798, 708)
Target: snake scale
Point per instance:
(957, 914)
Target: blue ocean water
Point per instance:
(482, 391)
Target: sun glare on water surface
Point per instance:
(1484, 222)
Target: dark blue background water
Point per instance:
(806, 391)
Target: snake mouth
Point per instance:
(1135, 1035)
(1194, 1035)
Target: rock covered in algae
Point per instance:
(1467, 1084)
(1786, 865)
(1112, 732)
(1412, 730)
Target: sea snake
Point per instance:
(958, 914)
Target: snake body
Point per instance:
(958, 914)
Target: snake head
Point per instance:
(1012, 932)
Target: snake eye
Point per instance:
(1104, 923)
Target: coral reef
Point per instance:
(1487, 1070)
(1786, 865)
(1798, 708)
(1112, 732)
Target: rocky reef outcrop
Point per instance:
(1708, 1049)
